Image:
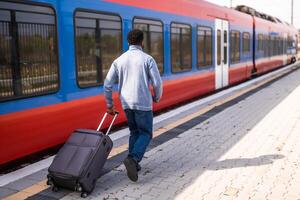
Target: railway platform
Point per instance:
(240, 143)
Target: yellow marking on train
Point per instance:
(40, 186)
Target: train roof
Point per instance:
(191, 8)
(202, 9)
(266, 22)
(269, 26)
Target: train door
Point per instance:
(221, 53)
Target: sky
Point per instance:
(278, 8)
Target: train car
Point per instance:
(54, 56)
(270, 52)
(273, 41)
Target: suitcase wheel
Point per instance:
(84, 194)
(49, 181)
(55, 189)
(78, 188)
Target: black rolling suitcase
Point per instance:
(78, 164)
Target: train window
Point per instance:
(235, 46)
(219, 47)
(282, 45)
(246, 43)
(290, 42)
(98, 43)
(266, 46)
(278, 46)
(225, 47)
(260, 42)
(181, 47)
(28, 51)
(273, 45)
(232, 46)
(285, 45)
(153, 39)
(204, 46)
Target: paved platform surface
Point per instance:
(243, 148)
(248, 151)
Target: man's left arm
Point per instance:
(155, 80)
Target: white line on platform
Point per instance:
(30, 169)
(35, 167)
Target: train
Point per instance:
(55, 54)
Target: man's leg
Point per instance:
(129, 162)
(144, 122)
(132, 128)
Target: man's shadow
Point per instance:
(244, 162)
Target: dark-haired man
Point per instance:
(135, 71)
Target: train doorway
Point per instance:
(221, 53)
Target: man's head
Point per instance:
(135, 37)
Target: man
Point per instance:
(135, 71)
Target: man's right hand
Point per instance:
(112, 111)
(154, 99)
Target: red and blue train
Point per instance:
(54, 55)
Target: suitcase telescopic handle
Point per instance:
(105, 115)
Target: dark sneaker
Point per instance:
(138, 167)
(131, 167)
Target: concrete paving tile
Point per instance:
(57, 195)
(41, 197)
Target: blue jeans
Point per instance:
(140, 126)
